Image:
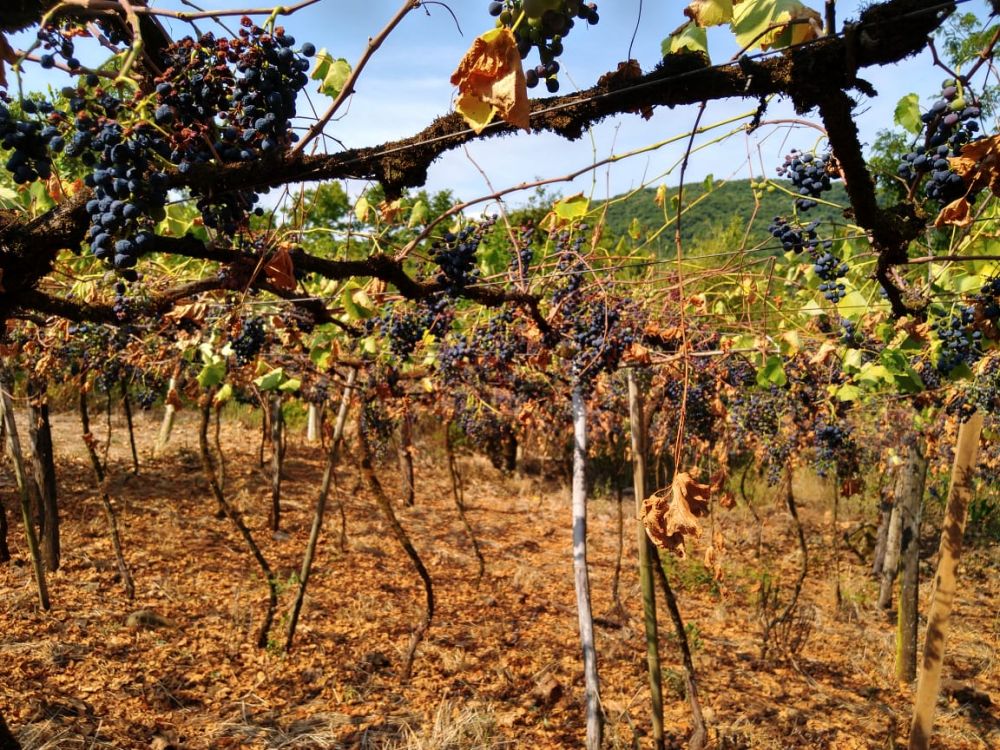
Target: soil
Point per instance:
(501, 664)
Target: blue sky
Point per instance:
(406, 85)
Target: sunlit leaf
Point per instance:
(270, 380)
(332, 73)
(418, 214)
(572, 207)
(907, 114)
(710, 12)
(212, 374)
(689, 37)
(491, 82)
(774, 23)
(772, 373)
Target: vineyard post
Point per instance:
(911, 497)
(44, 469)
(646, 553)
(890, 563)
(314, 419)
(277, 423)
(324, 492)
(167, 426)
(886, 504)
(581, 577)
(17, 459)
(945, 584)
(406, 454)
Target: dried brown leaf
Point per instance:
(670, 517)
(958, 213)
(280, 270)
(491, 82)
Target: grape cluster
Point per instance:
(377, 426)
(249, 84)
(405, 328)
(811, 175)
(983, 393)
(833, 446)
(30, 140)
(849, 335)
(544, 25)
(949, 124)
(130, 191)
(523, 252)
(499, 340)
(55, 42)
(250, 340)
(830, 271)
(698, 417)
(121, 307)
(828, 268)
(487, 427)
(600, 334)
(960, 343)
(795, 237)
(962, 334)
(739, 372)
(455, 255)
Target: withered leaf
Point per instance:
(7, 55)
(280, 270)
(670, 517)
(956, 214)
(491, 82)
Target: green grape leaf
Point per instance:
(40, 197)
(873, 375)
(418, 214)
(212, 374)
(271, 380)
(690, 37)
(774, 23)
(852, 360)
(635, 229)
(572, 207)
(772, 373)
(907, 114)
(848, 392)
(290, 386)
(332, 73)
(222, 395)
(357, 303)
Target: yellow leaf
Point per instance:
(491, 82)
(710, 12)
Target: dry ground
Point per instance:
(77, 677)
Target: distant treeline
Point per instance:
(728, 203)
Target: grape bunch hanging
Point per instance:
(950, 123)
(542, 24)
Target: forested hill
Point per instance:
(728, 203)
